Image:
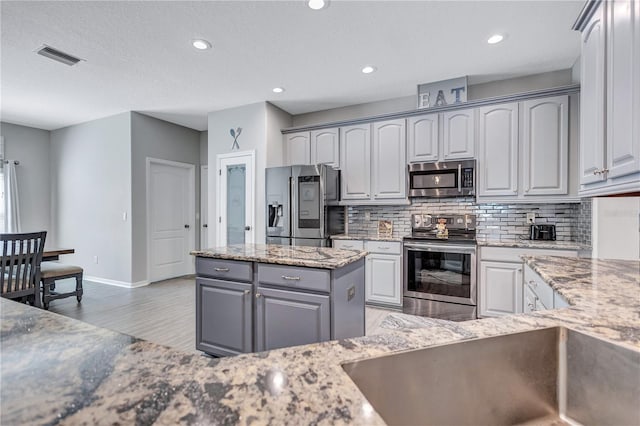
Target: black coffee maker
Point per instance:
(542, 232)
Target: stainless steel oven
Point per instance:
(440, 272)
(442, 179)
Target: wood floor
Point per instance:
(162, 312)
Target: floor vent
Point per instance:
(58, 55)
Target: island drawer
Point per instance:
(231, 270)
(295, 277)
(383, 247)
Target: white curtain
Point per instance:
(11, 202)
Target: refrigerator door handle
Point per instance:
(293, 209)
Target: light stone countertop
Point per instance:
(372, 237)
(537, 244)
(56, 369)
(310, 257)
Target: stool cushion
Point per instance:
(54, 269)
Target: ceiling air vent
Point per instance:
(58, 55)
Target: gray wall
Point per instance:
(31, 147)
(91, 191)
(408, 103)
(261, 124)
(204, 148)
(154, 138)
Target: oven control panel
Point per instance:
(420, 221)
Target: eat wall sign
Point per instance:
(441, 93)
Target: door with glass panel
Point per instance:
(235, 209)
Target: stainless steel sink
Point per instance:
(548, 376)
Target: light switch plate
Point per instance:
(531, 218)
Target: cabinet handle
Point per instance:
(286, 277)
(533, 283)
(247, 292)
(383, 248)
(459, 177)
(596, 172)
(530, 305)
(604, 171)
(258, 295)
(519, 270)
(221, 269)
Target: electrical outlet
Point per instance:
(531, 218)
(95, 259)
(367, 215)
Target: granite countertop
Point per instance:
(311, 257)
(56, 369)
(372, 237)
(537, 244)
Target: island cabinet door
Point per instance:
(223, 317)
(290, 318)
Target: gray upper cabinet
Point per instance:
(623, 88)
(355, 160)
(325, 147)
(389, 160)
(498, 150)
(223, 316)
(298, 148)
(610, 90)
(423, 138)
(545, 146)
(459, 134)
(592, 97)
(289, 318)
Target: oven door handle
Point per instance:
(442, 248)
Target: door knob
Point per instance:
(186, 226)
(247, 228)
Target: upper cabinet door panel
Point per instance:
(298, 148)
(389, 159)
(423, 138)
(623, 88)
(498, 146)
(325, 147)
(546, 146)
(355, 158)
(459, 134)
(592, 100)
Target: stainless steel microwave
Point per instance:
(442, 179)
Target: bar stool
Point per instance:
(50, 272)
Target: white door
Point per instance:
(459, 134)
(500, 288)
(204, 207)
(325, 147)
(498, 146)
(389, 160)
(298, 148)
(235, 206)
(422, 134)
(170, 218)
(545, 146)
(592, 100)
(355, 161)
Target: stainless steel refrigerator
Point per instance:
(302, 205)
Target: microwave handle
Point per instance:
(459, 177)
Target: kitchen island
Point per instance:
(104, 377)
(257, 297)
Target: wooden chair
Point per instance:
(20, 267)
(53, 271)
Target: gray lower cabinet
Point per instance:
(245, 306)
(290, 318)
(223, 317)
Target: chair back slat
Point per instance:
(20, 265)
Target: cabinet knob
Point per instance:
(533, 283)
(247, 292)
(530, 305)
(258, 295)
(186, 226)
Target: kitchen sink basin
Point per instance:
(550, 376)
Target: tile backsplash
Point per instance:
(496, 221)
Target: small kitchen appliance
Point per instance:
(542, 232)
(440, 267)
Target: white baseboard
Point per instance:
(115, 282)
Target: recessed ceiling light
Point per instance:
(317, 4)
(278, 90)
(369, 69)
(201, 44)
(496, 38)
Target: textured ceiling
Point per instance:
(138, 54)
